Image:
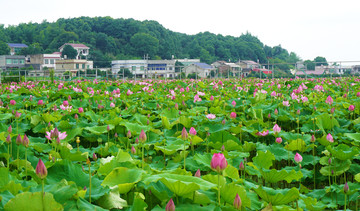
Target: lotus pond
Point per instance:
(186, 145)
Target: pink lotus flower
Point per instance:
(54, 134)
(351, 108)
(330, 138)
(211, 116)
(112, 105)
(192, 131)
(17, 114)
(66, 103)
(264, 133)
(278, 140)
(276, 128)
(232, 115)
(12, 102)
(170, 206)
(286, 103)
(237, 202)
(233, 103)
(81, 110)
(218, 162)
(212, 98)
(298, 158)
(40, 102)
(329, 100)
(41, 170)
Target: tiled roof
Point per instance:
(203, 65)
(17, 45)
(75, 45)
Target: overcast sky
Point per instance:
(310, 28)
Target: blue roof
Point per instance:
(203, 65)
(17, 45)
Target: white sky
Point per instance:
(310, 28)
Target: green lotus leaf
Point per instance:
(353, 136)
(178, 187)
(124, 178)
(51, 117)
(343, 151)
(35, 120)
(264, 159)
(229, 191)
(186, 207)
(196, 140)
(229, 145)
(71, 134)
(325, 122)
(135, 128)
(277, 197)
(6, 116)
(98, 130)
(83, 204)
(313, 204)
(296, 145)
(112, 200)
(203, 159)
(172, 148)
(274, 176)
(33, 201)
(248, 146)
(231, 172)
(165, 122)
(339, 167)
(357, 177)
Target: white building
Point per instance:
(202, 69)
(40, 61)
(82, 50)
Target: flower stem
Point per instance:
(89, 184)
(25, 163)
(219, 188)
(314, 166)
(18, 161)
(184, 155)
(142, 156)
(8, 158)
(345, 202)
(43, 194)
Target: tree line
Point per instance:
(111, 39)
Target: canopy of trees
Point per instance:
(110, 39)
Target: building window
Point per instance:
(77, 66)
(21, 61)
(51, 61)
(8, 61)
(142, 68)
(15, 61)
(133, 67)
(170, 68)
(83, 66)
(46, 61)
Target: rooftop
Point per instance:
(75, 45)
(17, 45)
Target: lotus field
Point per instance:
(180, 145)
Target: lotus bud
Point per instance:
(25, 141)
(298, 112)
(136, 140)
(276, 111)
(142, 136)
(237, 202)
(116, 135)
(278, 140)
(8, 139)
(232, 115)
(192, 131)
(41, 170)
(298, 158)
(346, 187)
(218, 162)
(241, 166)
(170, 206)
(223, 148)
(351, 108)
(312, 138)
(184, 134)
(329, 161)
(198, 173)
(76, 116)
(94, 156)
(18, 140)
(9, 129)
(108, 128)
(332, 110)
(78, 140)
(276, 129)
(133, 150)
(128, 134)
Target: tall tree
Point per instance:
(4, 48)
(143, 44)
(320, 61)
(69, 52)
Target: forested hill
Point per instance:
(111, 39)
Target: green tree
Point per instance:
(34, 48)
(70, 52)
(143, 44)
(4, 48)
(320, 61)
(310, 65)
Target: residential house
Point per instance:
(201, 69)
(15, 48)
(41, 61)
(72, 65)
(187, 62)
(248, 64)
(12, 61)
(161, 68)
(137, 67)
(82, 50)
(355, 69)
